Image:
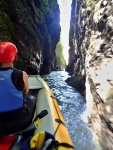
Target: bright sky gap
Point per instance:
(65, 14)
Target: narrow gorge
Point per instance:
(91, 61)
(34, 27)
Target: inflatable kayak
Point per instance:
(47, 120)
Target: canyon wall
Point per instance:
(33, 26)
(91, 62)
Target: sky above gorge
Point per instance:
(65, 13)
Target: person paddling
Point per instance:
(16, 109)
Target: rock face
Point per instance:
(33, 26)
(91, 56)
(77, 52)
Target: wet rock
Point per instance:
(28, 25)
(95, 51)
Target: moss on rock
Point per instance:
(28, 24)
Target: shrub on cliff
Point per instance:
(60, 61)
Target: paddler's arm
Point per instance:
(26, 86)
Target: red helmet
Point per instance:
(8, 52)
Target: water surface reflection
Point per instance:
(73, 107)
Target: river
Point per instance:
(73, 108)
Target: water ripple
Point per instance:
(73, 107)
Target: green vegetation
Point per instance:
(91, 4)
(60, 61)
(6, 27)
(44, 7)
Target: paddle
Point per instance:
(31, 126)
(42, 114)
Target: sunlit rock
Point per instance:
(95, 56)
